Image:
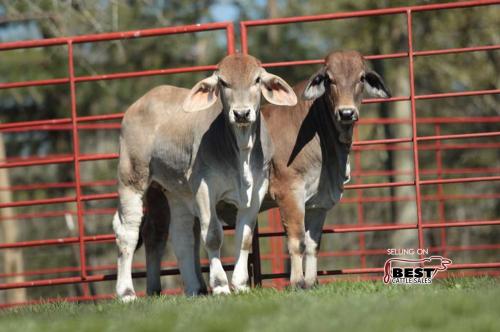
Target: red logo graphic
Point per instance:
(415, 274)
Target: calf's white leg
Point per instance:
(126, 224)
(212, 236)
(245, 225)
(244, 232)
(314, 220)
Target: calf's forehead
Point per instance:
(239, 69)
(345, 64)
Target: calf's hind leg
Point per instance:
(291, 205)
(126, 224)
(155, 234)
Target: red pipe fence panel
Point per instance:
(416, 144)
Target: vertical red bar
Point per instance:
(230, 38)
(244, 40)
(359, 192)
(76, 156)
(416, 168)
(440, 192)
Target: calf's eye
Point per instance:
(257, 80)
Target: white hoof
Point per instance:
(241, 288)
(127, 296)
(298, 283)
(310, 283)
(224, 290)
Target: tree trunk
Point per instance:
(12, 258)
(272, 12)
(404, 212)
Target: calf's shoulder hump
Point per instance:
(158, 101)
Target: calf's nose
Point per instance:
(347, 113)
(242, 115)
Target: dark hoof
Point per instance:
(154, 292)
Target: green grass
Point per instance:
(470, 304)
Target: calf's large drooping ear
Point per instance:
(316, 85)
(276, 90)
(375, 86)
(203, 95)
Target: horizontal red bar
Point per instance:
(427, 147)
(53, 81)
(361, 122)
(345, 200)
(357, 146)
(53, 214)
(65, 124)
(388, 56)
(227, 260)
(458, 136)
(460, 180)
(58, 185)
(115, 35)
(355, 173)
(90, 278)
(457, 50)
(326, 230)
(45, 201)
(60, 241)
(381, 270)
(144, 73)
(457, 94)
(382, 141)
(61, 159)
(106, 77)
(347, 187)
(385, 199)
(363, 13)
(391, 227)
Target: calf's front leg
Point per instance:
(245, 225)
(184, 245)
(314, 221)
(212, 237)
(291, 205)
(244, 233)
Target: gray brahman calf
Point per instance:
(201, 146)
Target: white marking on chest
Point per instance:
(246, 179)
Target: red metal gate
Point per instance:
(417, 143)
(273, 230)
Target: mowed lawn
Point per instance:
(471, 304)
